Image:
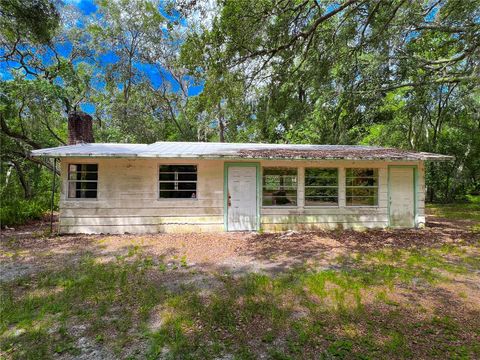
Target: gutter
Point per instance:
(233, 157)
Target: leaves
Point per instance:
(396, 73)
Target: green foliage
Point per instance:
(379, 73)
(21, 204)
(389, 73)
(20, 211)
(35, 20)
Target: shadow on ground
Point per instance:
(344, 294)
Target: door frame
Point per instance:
(226, 166)
(415, 192)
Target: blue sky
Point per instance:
(89, 8)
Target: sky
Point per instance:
(89, 8)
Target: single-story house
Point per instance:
(195, 186)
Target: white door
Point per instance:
(402, 197)
(242, 198)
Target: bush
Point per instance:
(16, 209)
(20, 211)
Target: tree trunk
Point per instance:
(221, 124)
(23, 181)
(222, 130)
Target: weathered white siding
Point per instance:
(128, 200)
(421, 194)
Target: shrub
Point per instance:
(19, 211)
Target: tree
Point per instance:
(146, 92)
(28, 20)
(370, 71)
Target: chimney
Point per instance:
(79, 128)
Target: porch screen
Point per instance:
(178, 181)
(279, 186)
(82, 181)
(361, 187)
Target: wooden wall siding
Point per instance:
(322, 226)
(128, 200)
(141, 220)
(421, 194)
(140, 229)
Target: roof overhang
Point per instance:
(243, 151)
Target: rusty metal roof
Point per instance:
(210, 150)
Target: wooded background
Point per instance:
(400, 73)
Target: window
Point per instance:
(362, 187)
(82, 181)
(321, 187)
(279, 187)
(178, 181)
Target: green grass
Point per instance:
(367, 306)
(110, 298)
(295, 315)
(469, 210)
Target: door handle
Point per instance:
(229, 202)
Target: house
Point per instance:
(187, 186)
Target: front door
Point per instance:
(402, 197)
(242, 198)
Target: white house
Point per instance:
(184, 187)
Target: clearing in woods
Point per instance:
(325, 294)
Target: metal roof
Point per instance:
(211, 150)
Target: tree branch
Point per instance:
(15, 135)
(303, 34)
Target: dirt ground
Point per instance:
(430, 312)
(27, 250)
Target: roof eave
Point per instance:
(236, 157)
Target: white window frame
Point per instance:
(69, 182)
(280, 206)
(305, 186)
(363, 187)
(176, 183)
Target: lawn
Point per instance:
(331, 294)
(469, 210)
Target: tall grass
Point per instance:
(15, 207)
(19, 211)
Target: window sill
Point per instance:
(81, 199)
(321, 207)
(177, 199)
(361, 206)
(280, 207)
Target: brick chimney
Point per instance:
(79, 128)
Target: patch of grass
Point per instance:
(469, 210)
(110, 297)
(338, 349)
(202, 328)
(183, 261)
(255, 311)
(39, 344)
(354, 310)
(397, 343)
